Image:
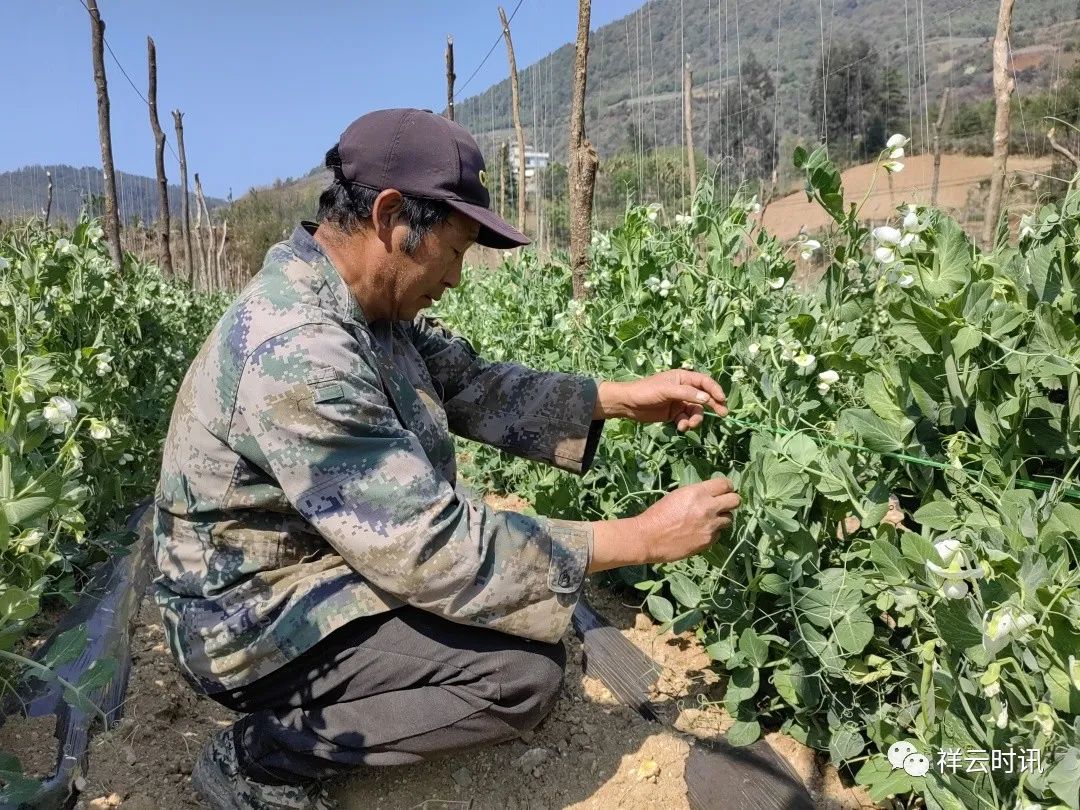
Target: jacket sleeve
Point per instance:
(540, 415)
(327, 433)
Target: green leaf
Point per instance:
(844, 744)
(890, 562)
(660, 608)
(875, 433)
(754, 647)
(952, 261)
(66, 648)
(853, 632)
(743, 733)
(877, 396)
(1064, 778)
(940, 515)
(1043, 266)
(960, 629)
(882, 780)
(684, 589)
(966, 339)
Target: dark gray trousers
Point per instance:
(392, 689)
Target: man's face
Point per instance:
(424, 275)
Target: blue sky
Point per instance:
(265, 86)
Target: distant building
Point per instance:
(534, 161)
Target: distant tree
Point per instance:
(745, 135)
(853, 103)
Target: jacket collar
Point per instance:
(328, 284)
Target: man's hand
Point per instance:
(677, 396)
(682, 523)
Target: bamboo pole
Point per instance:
(450, 76)
(504, 162)
(583, 160)
(211, 270)
(220, 261)
(937, 146)
(108, 177)
(688, 123)
(185, 208)
(48, 198)
(1003, 88)
(200, 255)
(515, 102)
(1061, 149)
(164, 253)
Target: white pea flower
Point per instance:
(897, 153)
(652, 214)
(738, 374)
(887, 235)
(59, 413)
(906, 280)
(99, 431)
(588, 285)
(885, 254)
(993, 690)
(805, 362)
(639, 360)
(665, 288)
(808, 247)
(653, 283)
(777, 283)
(687, 322)
(4, 263)
(1006, 624)
(753, 349)
(1001, 719)
(897, 141)
(828, 377)
(95, 233)
(1027, 225)
(64, 247)
(953, 589)
(753, 207)
(823, 388)
(892, 166)
(683, 220)
(687, 364)
(911, 221)
(126, 458)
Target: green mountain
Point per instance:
(23, 193)
(635, 68)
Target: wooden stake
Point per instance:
(185, 212)
(450, 76)
(48, 198)
(515, 103)
(201, 274)
(504, 162)
(688, 124)
(1003, 88)
(937, 146)
(583, 160)
(165, 255)
(211, 274)
(108, 178)
(221, 254)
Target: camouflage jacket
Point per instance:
(309, 479)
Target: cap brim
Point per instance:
(494, 231)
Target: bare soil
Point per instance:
(591, 752)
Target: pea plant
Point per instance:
(91, 362)
(905, 434)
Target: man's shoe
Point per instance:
(217, 779)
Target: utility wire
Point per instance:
(134, 87)
(491, 50)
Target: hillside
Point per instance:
(635, 65)
(23, 192)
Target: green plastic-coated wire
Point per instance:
(925, 462)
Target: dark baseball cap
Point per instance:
(423, 154)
